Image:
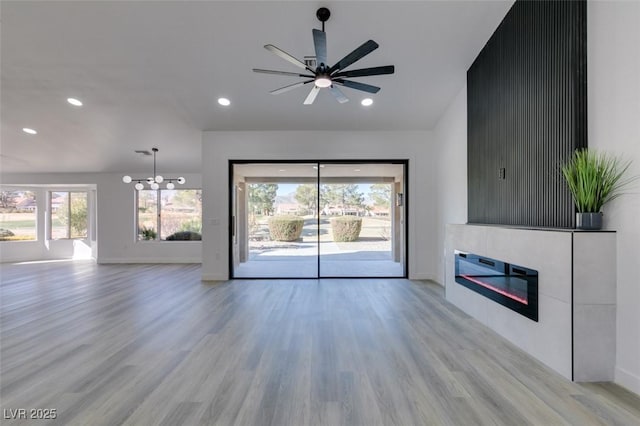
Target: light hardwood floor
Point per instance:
(152, 344)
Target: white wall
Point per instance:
(219, 147)
(115, 238)
(451, 172)
(614, 125)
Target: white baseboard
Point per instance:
(102, 260)
(627, 380)
(422, 276)
(214, 277)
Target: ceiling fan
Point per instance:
(325, 76)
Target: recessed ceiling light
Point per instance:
(74, 102)
(282, 170)
(356, 170)
(366, 101)
(30, 131)
(224, 101)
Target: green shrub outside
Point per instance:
(6, 233)
(185, 236)
(18, 238)
(148, 233)
(346, 228)
(285, 228)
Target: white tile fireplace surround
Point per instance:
(576, 328)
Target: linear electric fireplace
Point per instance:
(513, 286)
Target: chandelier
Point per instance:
(155, 180)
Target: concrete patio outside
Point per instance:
(369, 256)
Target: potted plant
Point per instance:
(594, 178)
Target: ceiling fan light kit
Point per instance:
(323, 81)
(155, 180)
(325, 76)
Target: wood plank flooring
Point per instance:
(153, 345)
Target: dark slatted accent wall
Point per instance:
(526, 101)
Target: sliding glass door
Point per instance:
(275, 217)
(361, 220)
(300, 219)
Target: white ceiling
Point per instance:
(149, 74)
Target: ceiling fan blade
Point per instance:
(387, 69)
(356, 85)
(284, 55)
(364, 49)
(337, 93)
(312, 95)
(289, 87)
(295, 74)
(320, 43)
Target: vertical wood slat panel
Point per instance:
(526, 101)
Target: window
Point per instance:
(69, 218)
(170, 214)
(18, 215)
(147, 214)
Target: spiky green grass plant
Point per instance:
(595, 178)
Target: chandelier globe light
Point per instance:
(155, 180)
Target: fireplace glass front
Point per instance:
(513, 286)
